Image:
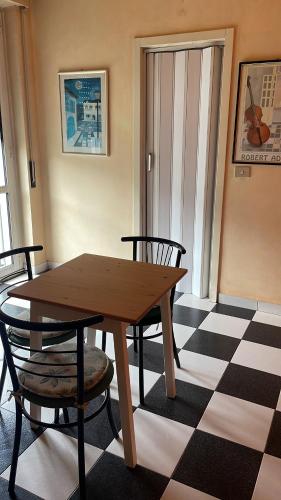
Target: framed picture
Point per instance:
(84, 113)
(257, 135)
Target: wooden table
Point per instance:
(123, 291)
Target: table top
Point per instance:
(119, 289)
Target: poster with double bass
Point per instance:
(257, 135)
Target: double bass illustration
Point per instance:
(258, 132)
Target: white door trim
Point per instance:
(184, 40)
(199, 274)
(12, 181)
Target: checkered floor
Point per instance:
(220, 438)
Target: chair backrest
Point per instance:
(12, 357)
(17, 251)
(155, 250)
(26, 251)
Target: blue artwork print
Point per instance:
(83, 115)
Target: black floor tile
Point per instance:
(273, 446)
(20, 493)
(188, 406)
(212, 344)
(188, 316)
(238, 312)
(178, 295)
(153, 358)
(252, 385)
(7, 430)
(98, 431)
(110, 479)
(263, 334)
(219, 467)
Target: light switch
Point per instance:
(243, 171)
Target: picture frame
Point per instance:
(84, 112)
(257, 131)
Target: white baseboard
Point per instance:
(45, 266)
(269, 308)
(40, 268)
(231, 300)
(53, 265)
(253, 304)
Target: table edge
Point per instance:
(13, 293)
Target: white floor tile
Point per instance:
(189, 300)
(199, 369)
(237, 420)
(47, 414)
(109, 343)
(13, 301)
(182, 333)
(179, 491)
(258, 356)
(225, 325)
(21, 277)
(150, 378)
(160, 442)
(268, 485)
(48, 468)
(269, 319)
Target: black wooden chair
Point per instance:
(20, 336)
(57, 377)
(155, 251)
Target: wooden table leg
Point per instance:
(35, 343)
(168, 346)
(125, 398)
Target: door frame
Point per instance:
(201, 39)
(12, 180)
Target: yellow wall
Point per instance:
(88, 200)
(12, 3)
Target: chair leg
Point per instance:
(57, 416)
(110, 417)
(135, 339)
(3, 376)
(65, 415)
(15, 457)
(81, 455)
(176, 354)
(103, 342)
(141, 383)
